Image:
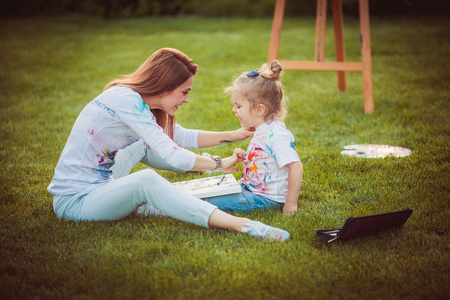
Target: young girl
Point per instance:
(272, 171)
(124, 125)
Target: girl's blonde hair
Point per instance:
(163, 71)
(263, 87)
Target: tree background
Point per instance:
(205, 8)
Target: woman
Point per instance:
(124, 125)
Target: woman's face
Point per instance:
(171, 101)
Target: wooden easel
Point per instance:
(319, 64)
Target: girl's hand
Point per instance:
(290, 209)
(240, 154)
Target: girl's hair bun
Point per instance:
(276, 69)
(272, 72)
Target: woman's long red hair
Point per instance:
(163, 71)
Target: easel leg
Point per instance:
(321, 24)
(338, 21)
(277, 25)
(366, 55)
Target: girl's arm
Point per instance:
(213, 138)
(295, 178)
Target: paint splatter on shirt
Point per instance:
(264, 167)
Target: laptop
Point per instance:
(366, 225)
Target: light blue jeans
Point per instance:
(243, 202)
(120, 197)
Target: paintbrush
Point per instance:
(221, 179)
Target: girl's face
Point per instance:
(242, 109)
(171, 101)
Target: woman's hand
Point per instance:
(228, 164)
(202, 163)
(243, 133)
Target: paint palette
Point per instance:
(375, 151)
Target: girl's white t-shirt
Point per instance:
(264, 167)
(112, 121)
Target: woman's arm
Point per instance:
(213, 138)
(295, 179)
(203, 163)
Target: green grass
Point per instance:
(51, 68)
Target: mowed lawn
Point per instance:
(51, 68)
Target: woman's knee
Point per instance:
(147, 175)
(150, 177)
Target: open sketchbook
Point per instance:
(210, 186)
(366, 225)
